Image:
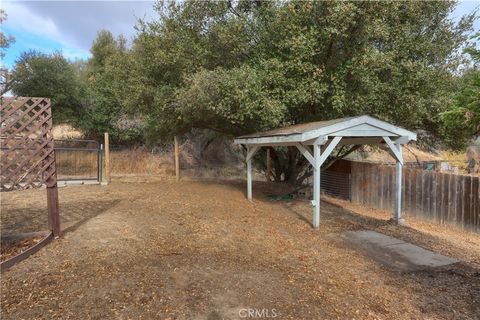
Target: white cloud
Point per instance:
(22, 19)
(75, 23)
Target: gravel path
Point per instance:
(200, 250)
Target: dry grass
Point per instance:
(456, 159)
(411, 154)
(449, 238)
(84, 163)
(71, 164)
(141, 162)
(200, 250)
(66, 131)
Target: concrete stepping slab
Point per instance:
(395, 252)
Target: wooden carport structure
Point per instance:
(323, 137)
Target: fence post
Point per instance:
(107, 158)
(177, 160)
(53, 211)
(100, 163)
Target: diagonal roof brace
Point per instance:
(394, 148)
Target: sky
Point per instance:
(71, 26)
(68, 26)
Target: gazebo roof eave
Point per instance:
(352, 128)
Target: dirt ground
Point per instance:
(12, 248)
(156, 249)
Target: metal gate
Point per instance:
(78, 161)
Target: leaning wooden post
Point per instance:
(177, 159)
(107, 158)
(269, 164)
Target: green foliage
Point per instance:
(239, 67)
(462, 120)
(474, 51)
(52, 76)
(303, 61)
(231, 101)
(104, 78)
(5, 42)
(242, 66)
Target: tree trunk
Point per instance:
(291, 166)
(277, 166)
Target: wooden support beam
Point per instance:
(250, 153)
(328, 150)
(107, 157)
(396, 152)
(316, 186)
(317, 140)
(361, 141)
(401, 140)
(177, 158)
(249, 179)
(398, 188)
(251, 150)
(306, 153)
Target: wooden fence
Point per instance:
(441, 197)
(27, 155)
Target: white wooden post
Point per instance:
(249, 178)
(396, 149)
(250, 153)
(398, 190)
(316, 186)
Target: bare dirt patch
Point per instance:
(199, 250)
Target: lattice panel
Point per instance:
(27, 157)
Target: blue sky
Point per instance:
(71, 26)
(68, 26)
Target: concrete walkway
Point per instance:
(395, 252)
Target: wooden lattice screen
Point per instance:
(27, 157)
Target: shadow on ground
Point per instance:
(75, 214)
(33, 219)
(198, 250)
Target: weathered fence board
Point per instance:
(441, 197)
